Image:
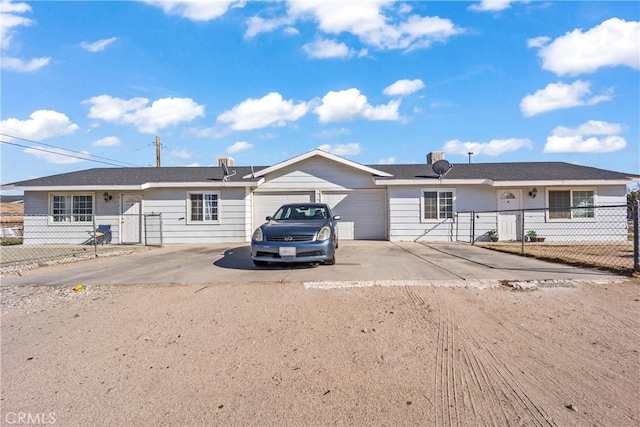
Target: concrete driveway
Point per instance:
(359, 263)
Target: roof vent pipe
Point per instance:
(470, 153)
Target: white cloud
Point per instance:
(270, 110)
(146, 118)
(404, 87)
(495, 147)
(257, 25)
(491, 5)
(108, 141)
(537, 42)
(195, 10)
(369, 21)
(42, 124)
(323, 48)
(561, 95)
(10, 20)
(55, 155)
(350, 104)
(99, 45)
(22, 66)
(351, 148)
(612, 43)
(238, 147)
(181, 154)
(593, 136)
(388, 161)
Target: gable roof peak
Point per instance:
(317, 152)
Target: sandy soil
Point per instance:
(274, 354)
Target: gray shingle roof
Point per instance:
(532, 171)
(137, 176)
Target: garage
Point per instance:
(266, 204)
(363, 213)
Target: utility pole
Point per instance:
(157, 151)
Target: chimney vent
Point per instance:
(227, 161)
(434, 156)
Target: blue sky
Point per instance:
(372, 81)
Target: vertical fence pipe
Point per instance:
(523, 238)
(146, 231)
(160, 219)
(473, 228)
(95, 236)
(636, 235)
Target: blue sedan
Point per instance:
(297, 233)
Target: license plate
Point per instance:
(287, 251)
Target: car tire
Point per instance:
(331, 261)
(337, 243)
(260, 263)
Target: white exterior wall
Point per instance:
(39, 229)
(172, 203)
(405, 223)
(317, 174)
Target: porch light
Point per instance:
(108, 196)
(533, 193)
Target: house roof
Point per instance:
(522, 171)
(106, 177)
(320, 153)
(478, 173)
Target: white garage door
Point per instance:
(363, 213)
(266, 204)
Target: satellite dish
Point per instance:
(225, 171)
(441, 167)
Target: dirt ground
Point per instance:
(280, 354)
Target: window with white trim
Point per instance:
(203, 207)
(437, 204)
(67, 208)
(571, 204)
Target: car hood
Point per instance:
(307, 226)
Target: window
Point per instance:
(568, 204)
(71, 208)
(437, 204)
(203, 207)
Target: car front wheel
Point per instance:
(331, 261)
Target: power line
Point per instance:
(58, 153)
(71, 151)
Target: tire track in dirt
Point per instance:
(471, 384)
(574, 382)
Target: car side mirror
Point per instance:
(337, 218)
(268, 218)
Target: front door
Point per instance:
(508, 213)
(131, 219)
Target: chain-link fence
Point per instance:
(599, 236)
(28, 241)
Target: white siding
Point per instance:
(317, 174)
(405, 224)
(39, 230)
(172, 203)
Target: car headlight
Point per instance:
(324, 234)
(257, 235)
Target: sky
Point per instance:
(88, 84)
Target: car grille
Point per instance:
(290, 238)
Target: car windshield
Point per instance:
(300, 213)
